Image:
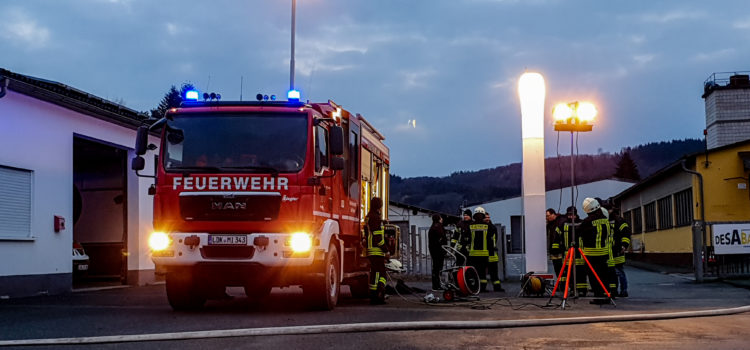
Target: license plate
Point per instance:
(83, 267)
(227, 240)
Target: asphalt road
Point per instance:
(144, 310)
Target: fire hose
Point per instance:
(372, 327)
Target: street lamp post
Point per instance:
(573, 117)
(291, 61)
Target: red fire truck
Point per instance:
(262, 194)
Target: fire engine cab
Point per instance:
(262, 194)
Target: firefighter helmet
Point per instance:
(479, 210)
(590, 205)
(394, 265)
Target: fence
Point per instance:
(415, 255)
(727, 266)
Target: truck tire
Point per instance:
(182, 292)
(323, 293)
(360, 287)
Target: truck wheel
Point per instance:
(360, 287)
(323, 293)
(182, 292)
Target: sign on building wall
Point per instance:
(731, 238)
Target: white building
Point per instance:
(509, 213)
(64, 156)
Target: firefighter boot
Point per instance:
(377, 297)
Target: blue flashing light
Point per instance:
(191, 95)
(292, 95)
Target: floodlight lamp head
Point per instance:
(574, 116)
(562, 112)
(586, 112)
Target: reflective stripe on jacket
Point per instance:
(620, 240)
(478, 244)
(492, 243)
(375, 242)
(596, 236)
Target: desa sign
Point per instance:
(731, 238)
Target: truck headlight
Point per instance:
(300, 242)
(159, 241)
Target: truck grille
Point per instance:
(229, 206)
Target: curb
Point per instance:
(738, 283)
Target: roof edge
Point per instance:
(74, 99)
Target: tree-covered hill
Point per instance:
(447, 193)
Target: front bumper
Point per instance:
(276, 254)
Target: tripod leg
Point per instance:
(567, 280)
(559, 277)
(595, 274)
(571, 258)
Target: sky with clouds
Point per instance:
(437, 77)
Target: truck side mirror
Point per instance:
(138, 163)
(141, 140)
(337, 140)
(337, 163)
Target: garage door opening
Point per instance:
(99, 213)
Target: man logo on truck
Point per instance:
(228, 206)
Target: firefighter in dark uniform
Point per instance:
(492, 261)
(619, 244)
(478, 238)
(376, 250)
(612, 285)
(555, 250)
(459, 239)
(563, 239)
(595, 233)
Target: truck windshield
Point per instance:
(236, 142)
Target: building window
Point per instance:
(628, 217)
(15, 202)
(665, 213)
(650, 212)
(683, 207)
(637, 220)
